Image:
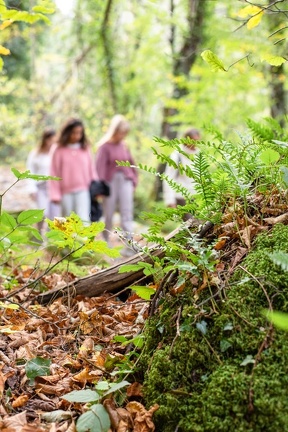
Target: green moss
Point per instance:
(197, 379)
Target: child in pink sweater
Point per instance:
(121, 180)
(72, 162)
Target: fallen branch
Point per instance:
(110, 280)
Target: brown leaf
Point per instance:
(135, 389)
(86, 347)
(142, 418)
(240, 254)
(16, 422)
(220, 244)
(20, 401)
(110, 407)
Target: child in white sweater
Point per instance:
(38, 162)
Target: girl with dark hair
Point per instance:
(38, 162)
(72, 162)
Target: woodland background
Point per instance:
(142, 59)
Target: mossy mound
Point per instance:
(228, 369)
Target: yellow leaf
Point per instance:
(273, 60)
(248, 10)
(9, 306)
(4, 51)
(254, 21)
(5, 24)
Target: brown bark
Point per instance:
(108, 280)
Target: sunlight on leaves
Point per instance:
(213, 61)
(4, 51)
(144, 292)
(273, 60)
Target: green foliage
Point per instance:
(37, 367)
(210, 376)
(96, 419)
(71, 233)
(213, 61)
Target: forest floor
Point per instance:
(71, 365)
(68, 345)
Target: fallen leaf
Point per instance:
(135, 389)
(20, 401)
(15, 422)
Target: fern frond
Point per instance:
(260, 131)
(280, 258)
(200, 172)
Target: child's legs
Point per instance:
(82, 205)
(126, 205)
(67, 204)
(109, 205)
(42, 203)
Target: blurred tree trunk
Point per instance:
(108, 54)
(278, 108)
(184, 59)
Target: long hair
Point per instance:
(66, 133)
(192, 133)
(48, 133)
(118, 123)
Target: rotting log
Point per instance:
(107, 280)
(110, 280)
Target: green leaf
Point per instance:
(37, 367)
(117, 386)
(228, 326)
(279, 319)
(16, 173)
(29, 217)
(94, 420)
(280, 258)
(284, 171)
(248, 360)
(8, 220)
(120, 339)
(102, 386)
(84, 396)
(224, 345)
(273, 60)
(144, 292)
(1, 64)
(126, 268)
(269, 156)
(202, 327)
(29, 175)
(213, 61)
(43, 9)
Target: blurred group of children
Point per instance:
(69, 157)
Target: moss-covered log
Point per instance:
(228, 368)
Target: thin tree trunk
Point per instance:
(108, 54)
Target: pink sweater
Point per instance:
(75, 167)
(106, 158)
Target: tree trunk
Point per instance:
(185, 58)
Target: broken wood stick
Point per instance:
(110, 280)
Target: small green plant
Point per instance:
(96, 418)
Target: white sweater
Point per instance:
(38, 163)
(170, 195)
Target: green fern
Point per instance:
(280, 258)
(260, 131)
